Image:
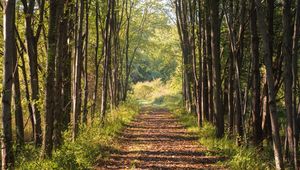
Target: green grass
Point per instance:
(93, 143)
(238, 157)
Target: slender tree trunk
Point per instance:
(67, 62)
(107, 59)
(18, 104)
(24, 73)
(257, 128)
(127, 45)
(209, 60)
(96, 62)
(9, 54)
(215, 45)
(78, 69)
(271, 88)
(287, 53)
(205, 100)
(86, 86)
(61, 51)
(231, 108)
(295, 78)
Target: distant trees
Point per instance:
(229, 51)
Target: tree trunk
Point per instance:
(61, 51)
(67, 63)
(18, 104)
(97, 63)
(56, 8)
(295, 78)
(107, 42)
(208, 60)
(30, 109)
(215, 45)
(32, 47)
(288, 80)
(9, 54)
(270, 80)
(257, 128)
(86, 86)
(78, 69)
(127, 45)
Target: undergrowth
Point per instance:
(94, 142)
(237, 157)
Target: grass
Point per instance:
(156, 93)
(94, 142)
(238, 157)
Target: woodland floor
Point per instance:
(156, 140)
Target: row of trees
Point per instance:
(76, 51)
(240, 70)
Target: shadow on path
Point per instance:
(155, 140)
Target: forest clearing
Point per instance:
(149, 84)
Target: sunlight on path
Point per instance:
(155, 140)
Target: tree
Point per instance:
(258, 133)
(86, 86)
(32, 39)
(78, 68)
(18, 103)
(270, 81)
(107, 59)
(287, 53)
(215, 46)
(9, 55)
(56, 10)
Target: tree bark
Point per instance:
(295, 78)
(61, 51)
(257, 120)
(270, 80)
(86, 85)
(9, 54)
(107, 59)
(288, 80)
(215, 45)
(18, 104)
(97, 63)
(78, 69)
(56, 8)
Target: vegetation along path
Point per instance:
(156, 140)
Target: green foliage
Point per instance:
(243, 157)
(157, 92)
(95, 141)
(154, 42)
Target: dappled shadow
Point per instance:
(155, 140)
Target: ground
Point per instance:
(156, 140)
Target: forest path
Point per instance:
(156, 140)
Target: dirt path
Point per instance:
(155, 140)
